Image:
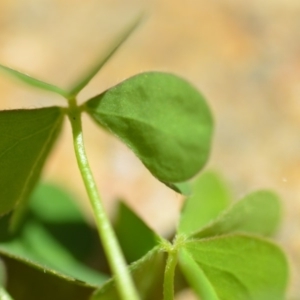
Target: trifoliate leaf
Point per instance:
(238, 267)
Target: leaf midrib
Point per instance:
(245, 288)
(156, 128)
(39, 157)
(24, 138)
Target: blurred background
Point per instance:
(243, 55)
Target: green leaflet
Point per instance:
(259, 213)
(238, 267)
(47, 246)
(84, 80)
(32, 81)
(162, 118)
(183, 188)
(148, 274)
(26, 139)
(210, 197)
(134, 236)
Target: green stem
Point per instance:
(169, 274)
(111, 247)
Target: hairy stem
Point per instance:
(111, 247)
(169, 275)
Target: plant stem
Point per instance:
(111, 247)
(169, 274)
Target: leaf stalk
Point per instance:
(169, 275)
(172, 250)
(111, 247)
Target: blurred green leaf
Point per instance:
(26, 139)
(183, 188)
(148, 274)
(32, 81)
(35, 246)
(259, 213)
(53, 236)
(4, 295)
(238, 267)
(2, 273)
(82, 82)
(210, 197)
(162, 118)
(26, 282)
(58, 212)
(52, 204)
(135, 237)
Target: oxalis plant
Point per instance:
(219, 249)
